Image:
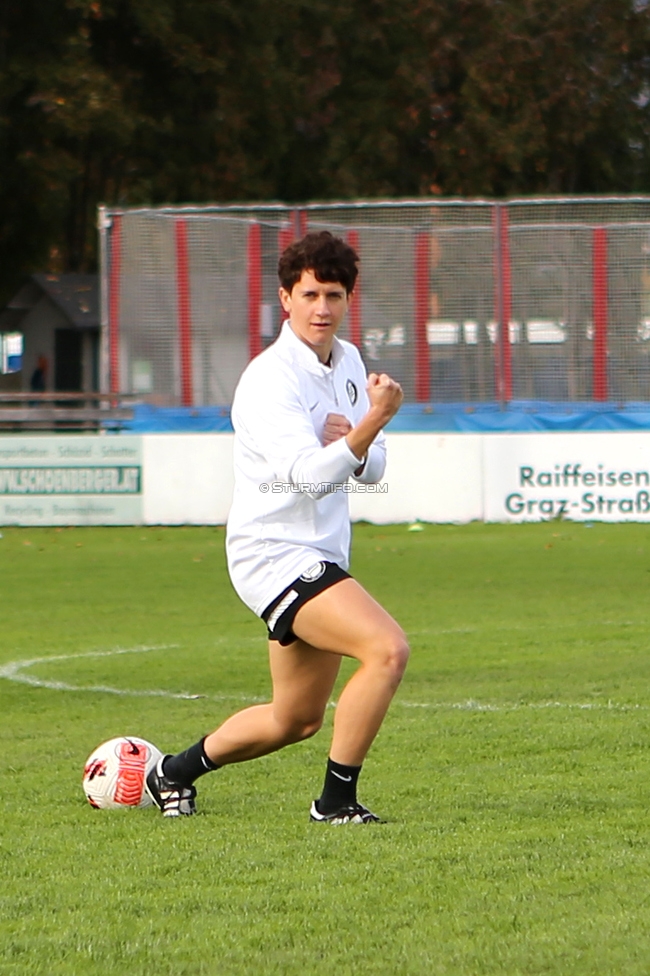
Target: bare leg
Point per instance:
(345, 620)
(303, 678)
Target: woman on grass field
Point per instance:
(306, 419)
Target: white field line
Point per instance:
(15, 671)
(515, 628)
(474, 706)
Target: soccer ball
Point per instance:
(115, 773)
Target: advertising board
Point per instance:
(71, 480)
(603, 477)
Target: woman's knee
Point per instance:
(394, 654)
(296, 729)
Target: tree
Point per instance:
(163, 101)
(542, 97)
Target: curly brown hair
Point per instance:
(329, 257)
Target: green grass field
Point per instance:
(513, 768)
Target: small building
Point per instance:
(58, 319)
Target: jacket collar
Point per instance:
(290, 346)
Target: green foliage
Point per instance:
(136, 101)
(513, 765)
(544, 97)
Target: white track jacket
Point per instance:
(283, 519)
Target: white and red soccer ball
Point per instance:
(115, 773)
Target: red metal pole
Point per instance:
(254, 290)
(184, 310)
(422, 364)
(600, 310)
(285, 238)
(507, 306)
(503, 302)
(355, 308)
(114, 304)
(302, 222)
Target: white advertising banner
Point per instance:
(189, 478)
(171, 479)
(603, 477)
(71, 480)
(430, 477)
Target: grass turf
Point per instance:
(513, 766)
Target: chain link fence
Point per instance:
(461, 301)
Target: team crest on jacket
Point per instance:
(313, 573)
(352, 392)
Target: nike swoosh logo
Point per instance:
(346, 779)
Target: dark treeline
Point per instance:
(133, 101)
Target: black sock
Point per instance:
(185, 767)
(340, 787)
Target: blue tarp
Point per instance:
(520, 415)
(190, 420)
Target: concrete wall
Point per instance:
(187, 478)
(433, 478)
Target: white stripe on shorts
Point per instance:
(283, 605)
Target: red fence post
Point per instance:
(254, 290)
(114, 304)
(285, 238)
(302, 223)
(184, 310)
(600, 312)
(422, 364)
(503, 303)
(355, 308)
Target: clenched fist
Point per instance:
(385, 394)
(336, 426)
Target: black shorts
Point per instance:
(280, 614)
